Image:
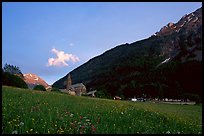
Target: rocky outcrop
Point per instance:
(183, 40)
(190, 22)
(33, 80)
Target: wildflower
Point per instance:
(15, 132)
(82, 127)
(21, 123)
(80, 117)
(71, 115)
(31, 129)
(122, 113)
(72, 124)
(168, 132)
(93, 129)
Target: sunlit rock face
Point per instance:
(33, 80)
(183, 40)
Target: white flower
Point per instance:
(168, 132)
(15, 132)
(71, 115)
(21, 124)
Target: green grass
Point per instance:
(26, 111)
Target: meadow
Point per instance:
(36, 112)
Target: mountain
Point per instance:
(33, 80)
(167, 64)
(184, 37)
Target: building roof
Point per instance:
(78, 85)
(91, 92)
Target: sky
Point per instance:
(50, 39)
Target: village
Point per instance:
(79, 89)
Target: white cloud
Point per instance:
(61, 58)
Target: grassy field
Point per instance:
(26, 111)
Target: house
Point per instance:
(76, 89)
(48, 88)
(91, 93)
(133, 99)
(117, 98)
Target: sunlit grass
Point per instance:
(26, 111)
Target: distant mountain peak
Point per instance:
(33, 80)
(188, 21)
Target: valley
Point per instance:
(89, 68)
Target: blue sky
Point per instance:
(50, 39)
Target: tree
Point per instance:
(14, 70)
(120, 94)
(13, 80)
(103, 94)
(39, 87)
(160, 87)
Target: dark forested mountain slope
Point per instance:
(167, 64)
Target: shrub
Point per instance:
(193, 97)
(39, 87)
(55, 90)
(13, 80)
(103, 94)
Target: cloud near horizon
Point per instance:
(61, 58)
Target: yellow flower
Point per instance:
(31, 129)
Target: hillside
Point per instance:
(38, 112)
(167, 64)
(33, 80)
